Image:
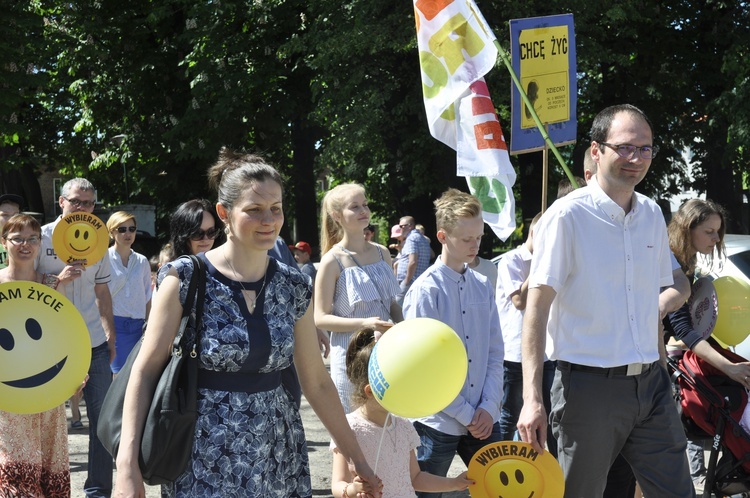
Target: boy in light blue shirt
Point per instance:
(456, 295)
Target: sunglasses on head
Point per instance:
(126, 229)
(211, 233)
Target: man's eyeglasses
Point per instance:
(405, 225)
(628, 151)
(126, 229)
(211, 233)
(79, 203)
(18, 241)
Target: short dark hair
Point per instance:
(603, 121)
(20, 221)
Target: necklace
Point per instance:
(239, 281)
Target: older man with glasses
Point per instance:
(86, 286)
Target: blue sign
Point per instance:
(543, 56)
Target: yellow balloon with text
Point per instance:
(417, 368)
(733, 314)
(45, 349)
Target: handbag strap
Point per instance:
(195, 295)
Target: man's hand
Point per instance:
(532, 425)
(70, 273)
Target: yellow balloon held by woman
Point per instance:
(733, 317)
(417, 368)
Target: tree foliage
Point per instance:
(139, 96)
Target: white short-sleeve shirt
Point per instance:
(607, 268)
(512, 271)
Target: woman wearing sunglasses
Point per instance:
(195, 228)
(130, 286)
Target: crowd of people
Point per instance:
(578, 304)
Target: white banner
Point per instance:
(456, 50)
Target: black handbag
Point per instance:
(169, 428)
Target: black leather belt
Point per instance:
(626, 370)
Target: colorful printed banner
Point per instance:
(455, 51)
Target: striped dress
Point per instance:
(361, 292)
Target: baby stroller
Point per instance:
(711, 405)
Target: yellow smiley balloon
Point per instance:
(45, 349)
(512, 469)
(80, 237)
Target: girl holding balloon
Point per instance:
(387, 441)
(699, 227)
(355, 286)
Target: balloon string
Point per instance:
(380, 445)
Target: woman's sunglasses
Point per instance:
(211, 233)
(126, 229)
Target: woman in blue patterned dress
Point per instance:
(249, 440)
(355, 287)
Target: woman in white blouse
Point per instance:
(130, 286)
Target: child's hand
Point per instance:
(461, 482)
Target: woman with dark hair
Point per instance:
(195, 228)
(257, 323)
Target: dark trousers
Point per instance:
(513, 400)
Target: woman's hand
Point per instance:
(129, 483)
(375, 323)
(368, 484)
(739, 372)
(83, 384)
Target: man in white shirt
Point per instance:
(512, 289)
(594, 290)
(87, 288)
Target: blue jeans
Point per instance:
(513, 400)
(99, 481)
(437, 449)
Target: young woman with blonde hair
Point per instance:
(130, 286)
(355, 287)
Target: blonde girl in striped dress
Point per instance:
(355, 287)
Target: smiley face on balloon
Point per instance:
(80, 238)
(45, 349)
(514, 470)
